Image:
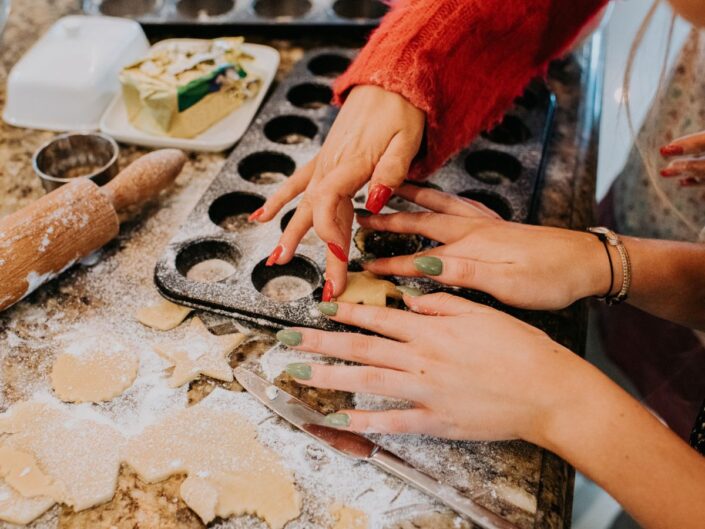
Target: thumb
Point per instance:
(442, 304)
(390, 171)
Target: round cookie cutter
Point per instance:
(74, 155)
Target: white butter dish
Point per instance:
(68, 78)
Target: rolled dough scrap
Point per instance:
(229, 471)
(200, 353)
(80, 455)
(20, 470)
(101, 371)
(348, 518)
(163, 316)
(368, 289)
(15, 508)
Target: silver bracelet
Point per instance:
(613, 240)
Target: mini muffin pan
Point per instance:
(501, 169)
(244, 13)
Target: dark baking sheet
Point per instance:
(502, 168)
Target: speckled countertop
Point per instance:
(123, 280)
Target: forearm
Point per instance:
(462, 62)
(668, 279)
(616, 442)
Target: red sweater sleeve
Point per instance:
(464, 61)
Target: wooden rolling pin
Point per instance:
(42, 240)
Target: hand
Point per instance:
(470, 371)
(375, 137)
(530, 267)
(689, 169)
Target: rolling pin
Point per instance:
(42, 240)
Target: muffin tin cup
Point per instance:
(496, 169)
(243, 14)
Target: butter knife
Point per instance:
(356, 446)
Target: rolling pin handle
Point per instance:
(144, 178)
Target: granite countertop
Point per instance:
(122, 281)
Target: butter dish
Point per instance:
(68, 78)
(219, 136)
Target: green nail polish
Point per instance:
(291, 338)
(300, 371)
(363, 213)
(337, 420)
(328, 308)
(368, 258)
(429, 265)
(409, 291)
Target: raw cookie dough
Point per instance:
(368, 289)
(200, 353)
(93, 369)
(348, 518)
(20, 470)
(229, 471)
(15, 508)
(80, 455)
(163, 316)
(210, 271)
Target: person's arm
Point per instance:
(668, 279)
(463, 62)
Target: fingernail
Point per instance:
(671, 150)
(328, 308)
(289, 337)
(362, 213)
(276, 254)
(255, 215)
(409, 291)
(327, 291)
(690, 182)
(337, 250)
(300, 371)
(337, 420)
(368, 258)
(378, 197)
(429, 265)
(669, 172)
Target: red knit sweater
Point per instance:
(464, 61)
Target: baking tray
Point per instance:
(502, 168)
(245, 14)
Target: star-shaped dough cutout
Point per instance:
(368, 289)
(200, 353)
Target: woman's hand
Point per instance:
(524, 266)
(690, 169)
(470, 371)
(374, 138)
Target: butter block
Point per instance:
(183, 88)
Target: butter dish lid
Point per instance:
(68, 78)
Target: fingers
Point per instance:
(435, 226)
(691, 170)
(354, 347)
(441, 202)
(297, 228)
(337, 256)
(390, 171)
(415, 420)
(289, 190)
(443, 304)
(693, 143)
(358, 379)
(397, 324)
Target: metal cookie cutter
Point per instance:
(76, 154)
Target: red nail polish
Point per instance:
(671, 150)
(255, 215)
(327, 290)
(690, 182)
(378, 197)
(338, 252)
(669, 172)
(275, 255)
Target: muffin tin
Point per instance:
(244, 13)
(502, 168)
